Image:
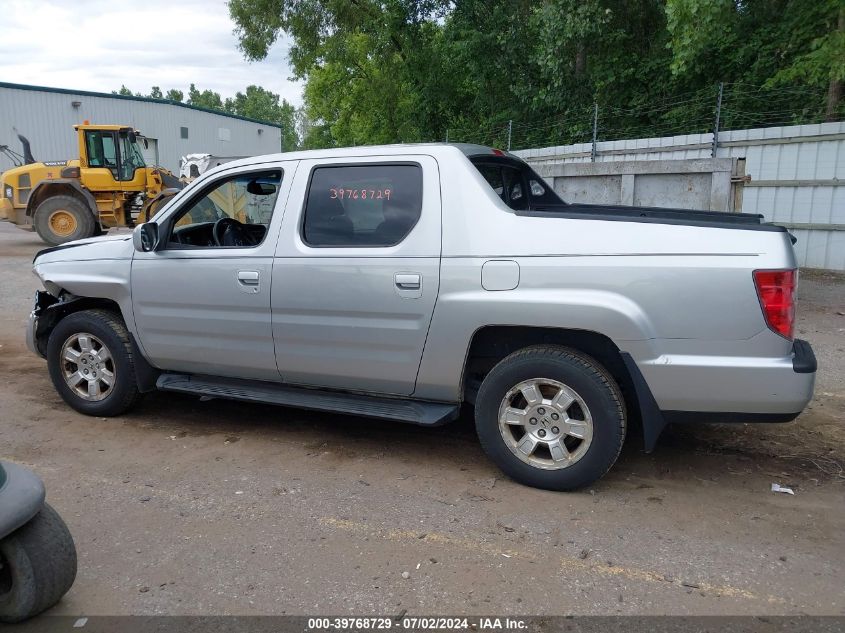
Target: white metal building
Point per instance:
(46, 117)
(797, 177)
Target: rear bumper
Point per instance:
(803, 359)
(731, 388)
(21, 498)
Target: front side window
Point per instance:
(234, 212)
(362, 205)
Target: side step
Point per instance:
(399, 409)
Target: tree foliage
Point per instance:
(174, 95)
(412, 70)
(258, 103)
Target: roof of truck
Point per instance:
(467, 149)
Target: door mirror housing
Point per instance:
(145, 237)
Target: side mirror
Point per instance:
(145, 237)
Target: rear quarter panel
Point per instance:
(664, 293)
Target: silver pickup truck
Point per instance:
(402, 282)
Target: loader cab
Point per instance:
(111, 159)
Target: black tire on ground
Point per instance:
(37, 566)
(576, 370)
(109, 328)
(64, 211)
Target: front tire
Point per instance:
(551, 417)
(37, 566)
(61, 219)
(91, 364)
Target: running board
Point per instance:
(399, 409)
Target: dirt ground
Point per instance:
(189, 507)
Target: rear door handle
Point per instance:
(408, 281)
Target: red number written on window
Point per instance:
(359, 194)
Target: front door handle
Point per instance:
(408, 281)
(248, 277)
(248, 280)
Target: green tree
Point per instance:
(264, 105)
(772, 44)
(205, 99)
(174, 95)
(406, 70)
(155, 93)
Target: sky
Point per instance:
(98, 45)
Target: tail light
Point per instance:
(776, 291)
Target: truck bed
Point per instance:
(657, 215)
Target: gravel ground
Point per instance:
(189, 507)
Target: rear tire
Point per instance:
(91, 364)
(37, 566)
(551, 417)
(61, 219)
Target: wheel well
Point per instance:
(54, 189)
(491, 344)
(68, 304)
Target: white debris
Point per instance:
(779, 488)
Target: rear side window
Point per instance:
(507, 182)
(362, 205)
(517, 185)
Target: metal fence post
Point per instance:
(716, 122)
(595, 131)
(510, 129)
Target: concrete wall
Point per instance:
(797, 177)
(46, 117)
(704, 183)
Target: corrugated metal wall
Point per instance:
(47, 117)
(797, 176)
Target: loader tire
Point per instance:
(61, 219)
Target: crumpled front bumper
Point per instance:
(21, 497)
(42, 301)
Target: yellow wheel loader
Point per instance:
(109, 185)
